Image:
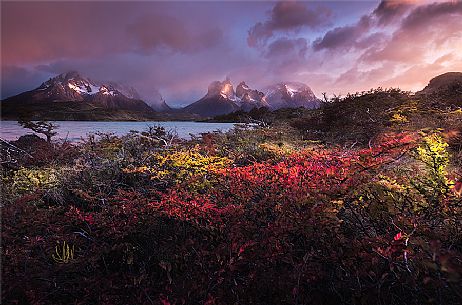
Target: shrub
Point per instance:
(173, 167)
(319, 225)
(27, 180)
(433, 184)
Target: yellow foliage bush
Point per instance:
(434, 155)
(278, 150)
(28, 179)
(180, 165)
(398, 118)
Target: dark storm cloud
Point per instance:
(40, 31)
(343, 37)
(287, 16)
(435, 12)
(16, 78)
(154, 32)
(390, 11)
(287, 47)
(358, 35)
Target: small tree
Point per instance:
(160, 134)
(44, 127)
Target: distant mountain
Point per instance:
(250, 98)
(72, 96)
(222, 99)
(157, 102)
(291, 95)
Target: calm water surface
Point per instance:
(75, 130)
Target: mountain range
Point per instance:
(71, 96)
(221, 98)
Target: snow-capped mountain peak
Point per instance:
(86, 87)
(290, 95)
(72, 86)
(221, 98)
(73, 82)
(291, 91)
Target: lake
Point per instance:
(75, 130)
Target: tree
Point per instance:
(158, 133)
(44, 127)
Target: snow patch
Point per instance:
(106, 91)
(93, 89)
(291, 91)
(76, 88)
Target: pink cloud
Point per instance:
(40, 31)
(179, 47)
(287, 16)
(426, 28)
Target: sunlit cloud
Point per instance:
(178, 48)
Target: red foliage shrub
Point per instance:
(290, 232)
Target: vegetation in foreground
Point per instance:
(356, 203)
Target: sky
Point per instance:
(179, 48)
